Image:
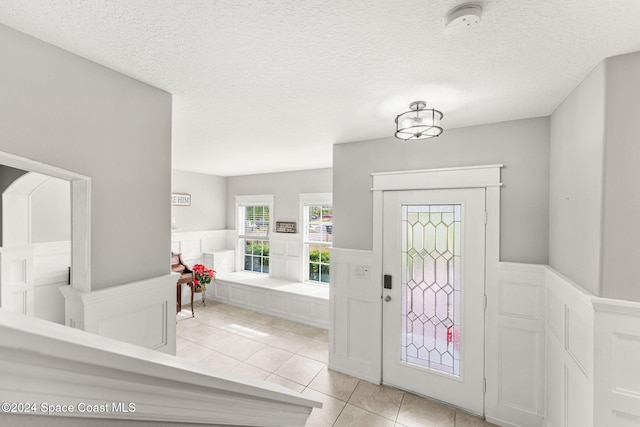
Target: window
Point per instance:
(318, 237)
(254, 223)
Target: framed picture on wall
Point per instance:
(180, 199)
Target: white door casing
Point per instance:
(483, 176)
(433, 314)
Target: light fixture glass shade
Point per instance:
(419, 123)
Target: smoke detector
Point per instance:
(462, 18)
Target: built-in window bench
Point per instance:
(301, 302)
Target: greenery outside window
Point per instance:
(318, 238)
(254, 224)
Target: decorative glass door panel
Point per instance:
(433, 294)
(430, 282)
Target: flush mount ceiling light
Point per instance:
(462, 18)
(418, 123)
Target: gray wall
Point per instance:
(208, 201)
(285, 186)
(595, 178)
(575, 199)
(621, 204)
(7, 176)
(63, 110)
(522, 146)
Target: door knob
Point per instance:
(387, 298)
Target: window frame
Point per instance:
(306, 200)
(243, 202)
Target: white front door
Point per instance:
(433, 295)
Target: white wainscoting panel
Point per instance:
(204, 247)
(569, 353)
(51, 262)
(141, 313)
(355, 332)
(285, 257)
(617, 363)
(300, 302)
(16, 279)
(515, 346)
(191, 244)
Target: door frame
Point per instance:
(483, 176)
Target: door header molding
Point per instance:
(428, 179)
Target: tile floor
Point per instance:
(295, 356)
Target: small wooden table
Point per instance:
(186, 276)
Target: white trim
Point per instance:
(46, 362)
(460, 168)
(80, 214)
(482, 176)
(316, 198)
(263, 199)
(431, 179)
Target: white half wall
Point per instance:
(617, 356)
(514, 354)
(355, 315)
(140, 313)
(569, 325)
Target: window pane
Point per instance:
(256, 220)
(256, 255)
(319, 223)
(319, 263)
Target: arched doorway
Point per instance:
(36, 242)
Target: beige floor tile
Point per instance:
(286, 383)
(221, 361)
(306, 330)
(466, 420)
(217, 340)
(352, 416)
(300, 369)
(188, 323)
(260, 318)
(250, 371)
(194, 334)
(290, 342)
(195, 352)
(323, 336)
(269, 358)
(381, 400)
(266, 334)
(283, 324)
(418, 411)
(327, 415)
(316, 350)
(242, 348)
(334, 384)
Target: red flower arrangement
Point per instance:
(203, 276)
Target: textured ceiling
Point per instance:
(271, 85)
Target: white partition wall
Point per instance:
(16, 279)
(617, 363)
(569, 326)
(141, 313)
(515, 346)
(355, 330)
